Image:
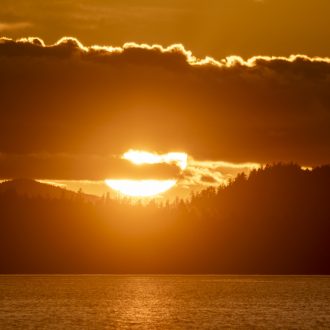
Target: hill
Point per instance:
(31, 188)
(275, 221)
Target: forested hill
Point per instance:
(31, 188)
(275, 221)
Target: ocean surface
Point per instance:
(164, 302)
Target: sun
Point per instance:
(141, 188)
(147, 188)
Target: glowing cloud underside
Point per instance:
(139, 157)
(148, 188)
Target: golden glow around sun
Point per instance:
(148, 188)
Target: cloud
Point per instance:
(80, 167)
(254, 27)
(72, 99)
(202, 174)
(14, 26)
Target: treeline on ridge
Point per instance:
(276, 220)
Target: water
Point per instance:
(164, 302)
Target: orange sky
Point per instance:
(213, 27)
(69, 111)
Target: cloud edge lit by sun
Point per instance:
(228, 61)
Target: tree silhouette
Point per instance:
(276, 220)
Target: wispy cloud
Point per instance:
(11, 26)
(200, 174)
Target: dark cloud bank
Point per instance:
(80, 167)
(72, 100)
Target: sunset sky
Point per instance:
(213, 27)
(231, 84)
